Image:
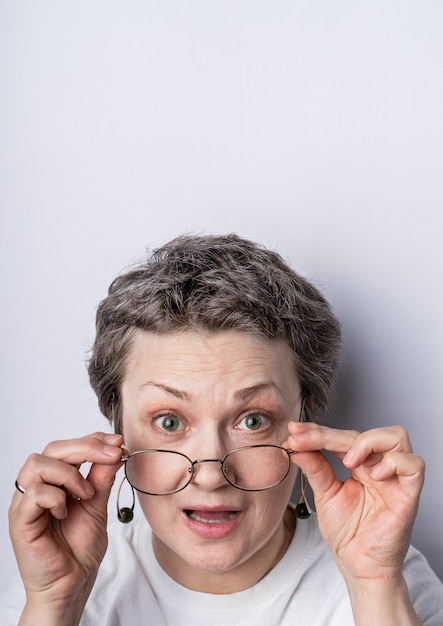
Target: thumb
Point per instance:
(102, 478)
(319, 473)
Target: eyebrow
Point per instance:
(177, 393)
(240, 394)
(247, 392)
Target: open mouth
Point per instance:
(211, 517)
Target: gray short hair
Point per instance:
(211, 284)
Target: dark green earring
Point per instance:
(125, 514)
(302, 510)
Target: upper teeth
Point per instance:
(197, 518)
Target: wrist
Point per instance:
(381, 601)
(61, 612)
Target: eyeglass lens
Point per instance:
(161, 472)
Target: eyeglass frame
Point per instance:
(193, 464)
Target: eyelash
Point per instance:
(264, 426)
(254, 414)
(172, 415)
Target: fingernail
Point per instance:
(112, 438)
(349, 458)
(299, 436)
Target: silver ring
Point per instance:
(19, 487)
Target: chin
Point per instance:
(214, 558)
(216, 564)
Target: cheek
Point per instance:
(158, 510)
(281, 495)
(273, 503)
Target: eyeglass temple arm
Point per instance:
(289, 451)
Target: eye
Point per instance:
(254, 421)
(169, 423)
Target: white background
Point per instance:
(312, 126)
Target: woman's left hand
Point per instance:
(367, 519)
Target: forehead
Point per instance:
(192, 359)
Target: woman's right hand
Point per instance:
(58, 526)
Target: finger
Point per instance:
(59, 463)
(95, 448)
(40, 469)
(408, 468)
(308, 436)
(37, 500)
(102, 478)
(318, 471)
(378, 441)
(353, 447)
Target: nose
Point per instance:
(209, 447)
(208, 474)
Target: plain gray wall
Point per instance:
(314, 127)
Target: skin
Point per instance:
(367, 520)
(209, 384)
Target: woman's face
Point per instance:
(205, 395)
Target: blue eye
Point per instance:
(253, 422)
(170, 423)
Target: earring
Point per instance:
(302, 510)
(113, 401)
(301, 417)
(125, 514)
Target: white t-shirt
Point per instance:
(305, 587)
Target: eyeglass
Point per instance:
(164, 472)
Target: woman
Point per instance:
(209, 358)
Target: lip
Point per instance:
(216, 522)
